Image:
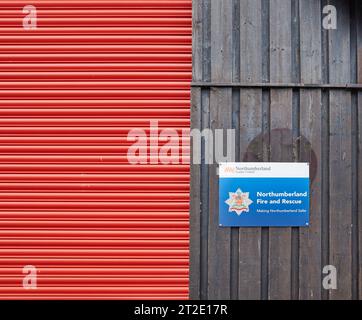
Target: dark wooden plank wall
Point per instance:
(279, 41)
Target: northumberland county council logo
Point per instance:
(239, 202)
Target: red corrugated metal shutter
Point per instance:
(71, 205)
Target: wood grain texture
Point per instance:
(195, 204)
(359, 38)
(359, 193)
(250, 127)
(359, 112)
(281, 141)
(219, 239)
(221, 40)
(277, 39)
(280, 41)
(250, 41)
(197, 34)
(310, 41)
(310, 240)
(340, 165)
(360, 65)
(195, 170)
(340, 233)
(205, 206)
(281, 150)
(310, 254)
(250, 238)
(339, 46)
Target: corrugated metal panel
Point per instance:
(71, 205)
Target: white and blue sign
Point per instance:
(264, 194)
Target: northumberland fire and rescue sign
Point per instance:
(264, 194)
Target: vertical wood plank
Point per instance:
(359, 112)
(281, 149)
(221, 40)
(250, 41)
(195, 172)
(310, 264)
(310, 41)
(296, 77)
(197, 40)
(359, 189)
(250, 126)
(358, 7)
(325, 152)
(340, 155)
(340, 192)
(250, 238)
(195, 201)
(281, 140)
(234, 266)
(353, 16)
(280, 41)
(360, 64)
(339, 46)
(221, 118)
(219, 238)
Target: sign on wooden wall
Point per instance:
(263, 194)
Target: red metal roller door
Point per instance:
(71, 205)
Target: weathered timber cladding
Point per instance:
(279, 41)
